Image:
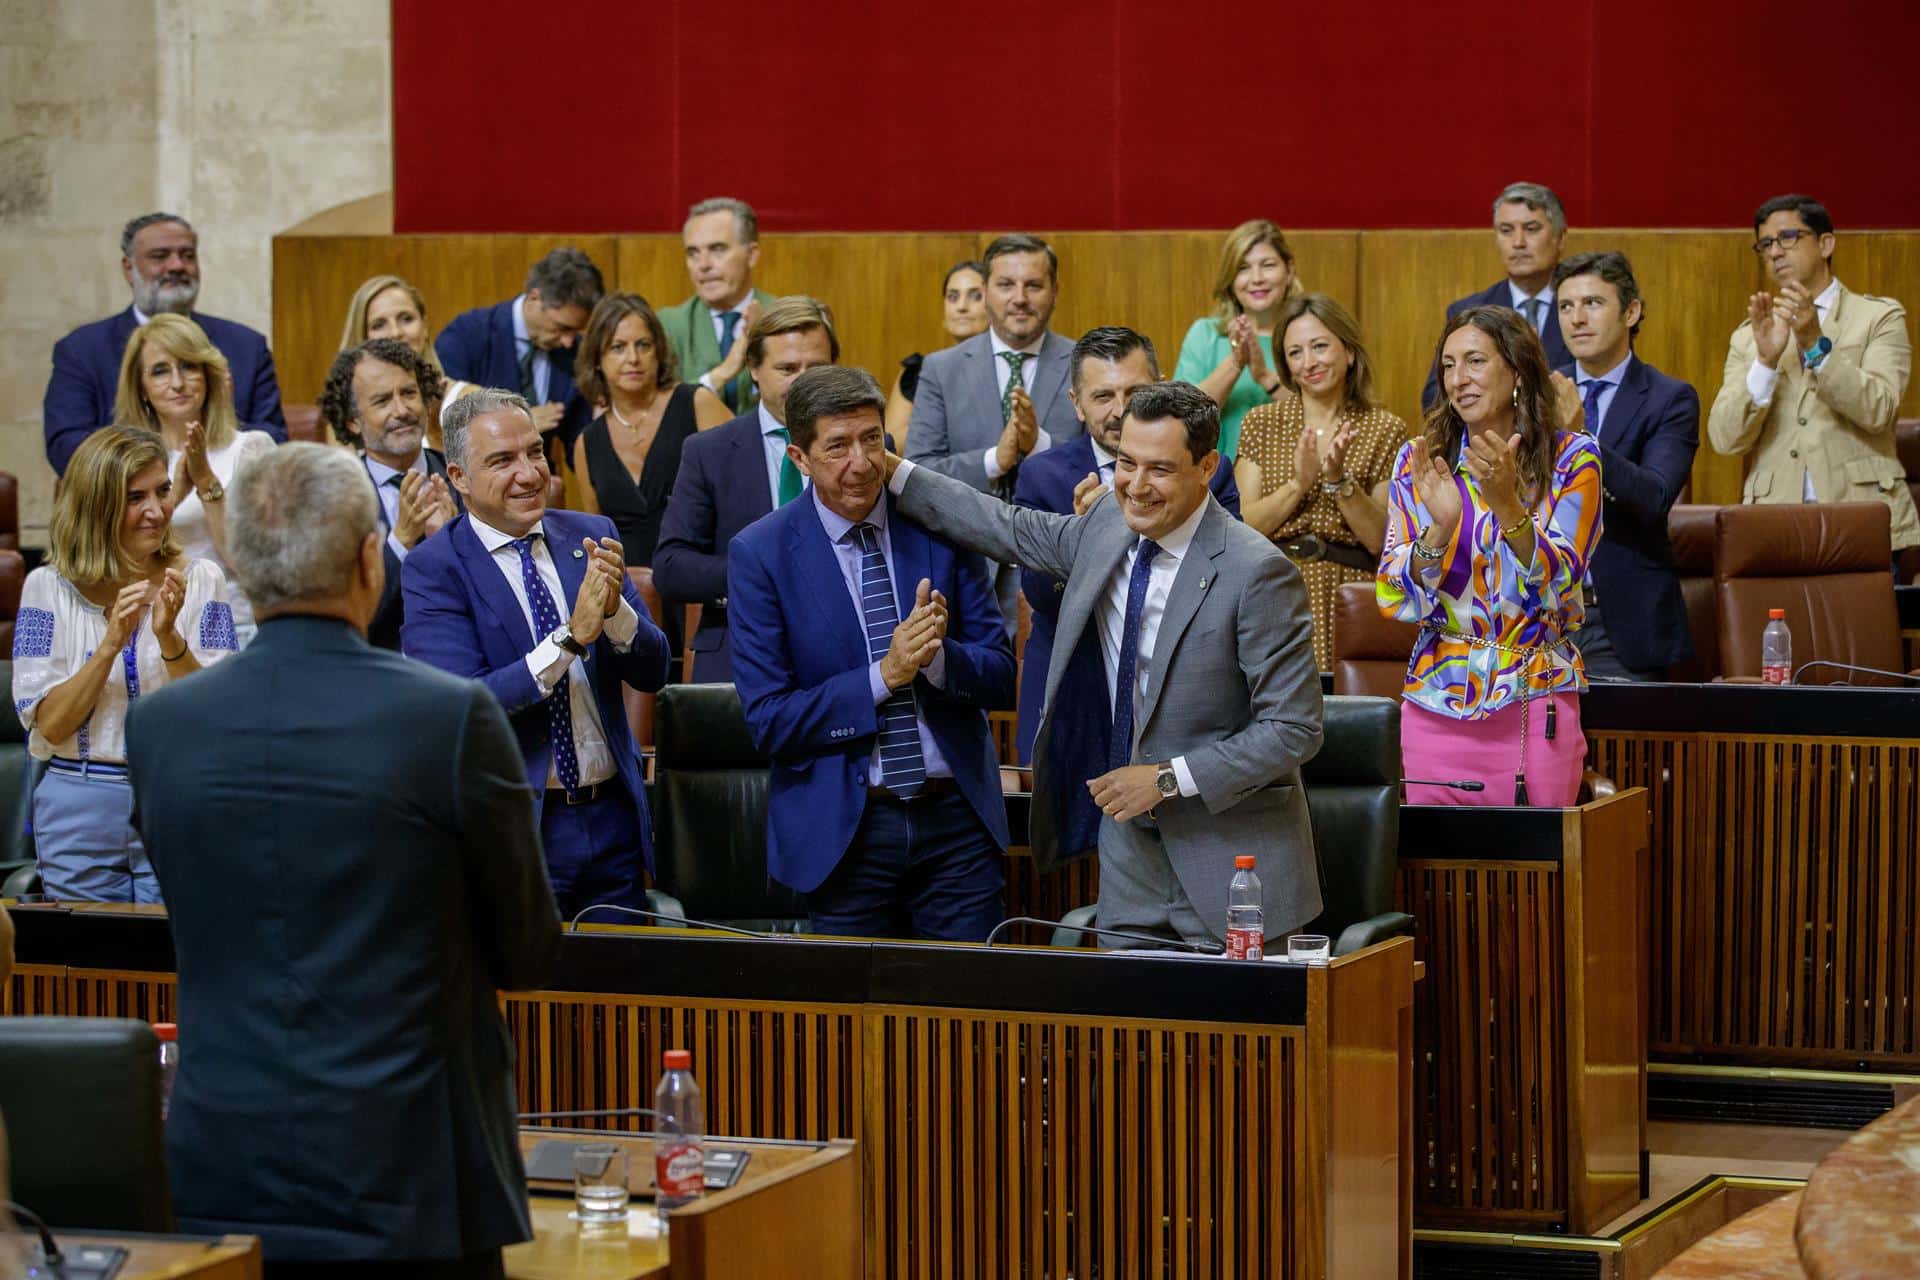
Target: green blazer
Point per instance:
(690, 333)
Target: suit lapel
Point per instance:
(490, 583)
(1624, 413)
(703, 347)
(1190, 586)
(983, 388)
(1049, 374)
(505, 364)
(821, 569)
(750, 459)
(912, 558)
(378, 504)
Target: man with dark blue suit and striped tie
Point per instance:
(867, 653)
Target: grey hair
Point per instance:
(745, 220)
(826, 391)
(145, 220)
(459, 416)
(296, 520)
(1536, 197)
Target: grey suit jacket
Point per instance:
(1234, 687)
(956, 411)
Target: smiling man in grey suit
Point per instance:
(1204, 633)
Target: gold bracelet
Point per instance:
(1526, 524)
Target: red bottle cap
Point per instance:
(1777, 613)
(678, 1059)
(1243, 862)
(167, 1030)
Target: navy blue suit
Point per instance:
(720, 490)
(479, 347)
(801, 665)
(1046, 483)
(463, 617)
(1648, 436)
(384, 631)
(1499, 295)
(86, 375)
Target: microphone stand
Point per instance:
(1178, 944)
(573, 926)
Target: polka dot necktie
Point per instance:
(546, 621)
(903, 767)
(1592, 406)
(1120, 749)
(1016, 360)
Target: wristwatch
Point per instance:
(563, 636)
(1341, 488)
(215, 492)
(1167, 782)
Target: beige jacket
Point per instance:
(1835, 425)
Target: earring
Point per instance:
(1516, 395)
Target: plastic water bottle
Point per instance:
(169, 1035)
(1246, 928)
(1776, 649)
(679, 1153)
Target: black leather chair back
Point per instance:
(1353, 795)
(710, 812)
(81, 1097)
(17, 777)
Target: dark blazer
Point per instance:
(86, 374)
(461, 616)
(478, 347)
(721, 489)
(1046, 483)
(352, 871)
(1647, 443)
(384, 631)
(800, 663)
(1498, 295)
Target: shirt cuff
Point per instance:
(706, 380)
(396, 546)
(1760, 384)
(547, 663)
(875, 685)
(1184, 777)
(622, 626)
(898, 484)
(936, 671)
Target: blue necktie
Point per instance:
(729, 320)
(903, 768)
(546, 621)
(1537, 314)
(1120, 750)
(1593, 406)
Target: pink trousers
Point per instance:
(1438, 748)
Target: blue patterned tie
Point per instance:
(1593, 406)
(902, 766)
(1120, 750)
(546, 621)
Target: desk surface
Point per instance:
(154, 1257)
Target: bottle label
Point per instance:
(679, 1169)
(1245, 944)
(1776, 674)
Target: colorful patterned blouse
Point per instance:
(1490, 625)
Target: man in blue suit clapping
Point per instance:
(536, 605)
(867, 653)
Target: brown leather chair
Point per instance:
(1370, 650)
(639, 705)
(1906, 446)
(1692, 531)
(9, 512)
(304, 424)
(1829, 565)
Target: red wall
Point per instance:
(833, 115)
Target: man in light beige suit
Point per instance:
(1814, 377)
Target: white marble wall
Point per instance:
(244, 116)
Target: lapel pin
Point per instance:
(578, 553)
(1203, 584)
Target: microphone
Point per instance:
(605, 1113)
(49, 1251)
(1458, 784)
(1204, 948)
(1847, 666)
(573, 926)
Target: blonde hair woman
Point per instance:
(391, 307)
(174, 381)
(1229, 354)
(118, 610)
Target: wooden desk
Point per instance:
(794, 1211)
(1530, 1081)
(157, 1257)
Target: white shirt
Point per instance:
(1113, 612)
(522, 343)
(775, 447)
(390, 495)
(1521, 297)
(190, 519)
(1762, 381)
(1102, 462)
(58, 629)
(548, 661)
(1002, 374)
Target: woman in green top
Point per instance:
(1229, 354)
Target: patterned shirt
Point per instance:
(1493, 630)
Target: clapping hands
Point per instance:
(918, 639)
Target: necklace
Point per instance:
(614, 409)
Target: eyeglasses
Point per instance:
(1786, 240)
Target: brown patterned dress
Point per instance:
(1269, 435)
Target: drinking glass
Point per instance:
(1309, 948)
(600, 1182)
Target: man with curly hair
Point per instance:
(375, 400)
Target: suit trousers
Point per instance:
(1140, 891)
(593, 850)
(920, 868)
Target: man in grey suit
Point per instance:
(1205, 625)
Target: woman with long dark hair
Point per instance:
(1492, 515)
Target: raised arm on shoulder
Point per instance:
(1040, 540)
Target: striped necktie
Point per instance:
(546, 620)
(903, 768)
